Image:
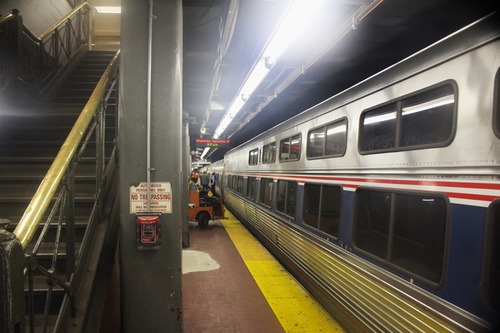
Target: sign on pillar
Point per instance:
(161, 198)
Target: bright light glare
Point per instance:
(258, 74)
(205, 151)
(296, 19)
(445, 100)
(336, 130)
(380, 118)
(317, 135)
(108, 9)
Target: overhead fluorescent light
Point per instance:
(205, 151)
(295, 20)
(108, 9)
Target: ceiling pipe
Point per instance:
(226, 30)
(148, 107)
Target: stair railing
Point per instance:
(11, 27)
(56, 191)
(44, 56)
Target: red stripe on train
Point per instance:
(486, 186)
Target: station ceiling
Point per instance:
(354, 40)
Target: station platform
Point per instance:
(231, 283)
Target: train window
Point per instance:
(496, 105)
(266, 191)
(239, 185)
(321, 209)
(327, 141)
(235, 183)
(290, 148)
(251, 187)
(422, 120)
(253, 156)
(378, 129)
(405, 229)
(427, 118)
(372, 221)
(287, 197)
(269, 153)
(316, 142)
(492, 285)
(229, 181)
(336, 138)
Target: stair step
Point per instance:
(40, 160)
(6, 198)
(17, 176)
(81, 222)
(82, 100)
(78, 92)
(88, 71)
(46, 250)
(29, 188)
(101, 52)
(16, 206)
(80, 229)
(86, 78)
(101, 62)
(43, 133)
(53, 115)
(79, 85)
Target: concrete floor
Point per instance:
(219, 293)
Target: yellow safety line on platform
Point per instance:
(294, 307)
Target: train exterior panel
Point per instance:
(384, 199)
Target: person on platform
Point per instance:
(204, 181)
(192, 182)
(212, 182)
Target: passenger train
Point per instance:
(384, 200)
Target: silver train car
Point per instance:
(384, 200)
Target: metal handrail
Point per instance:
(7, 18)
(47, 32)
(31, 218)
(62, 20)
(42, 58)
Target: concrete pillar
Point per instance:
(151, 280)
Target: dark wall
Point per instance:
(38, 15)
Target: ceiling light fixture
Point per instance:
(295, 20)
(108, 9)
(205, 151)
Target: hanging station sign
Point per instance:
(212, 143)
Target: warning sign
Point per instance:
(161, 198)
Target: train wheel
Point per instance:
(203, 219)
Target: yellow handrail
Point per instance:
(41, 200)
(52, 28)
(61, 21)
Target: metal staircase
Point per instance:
(30, 138)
